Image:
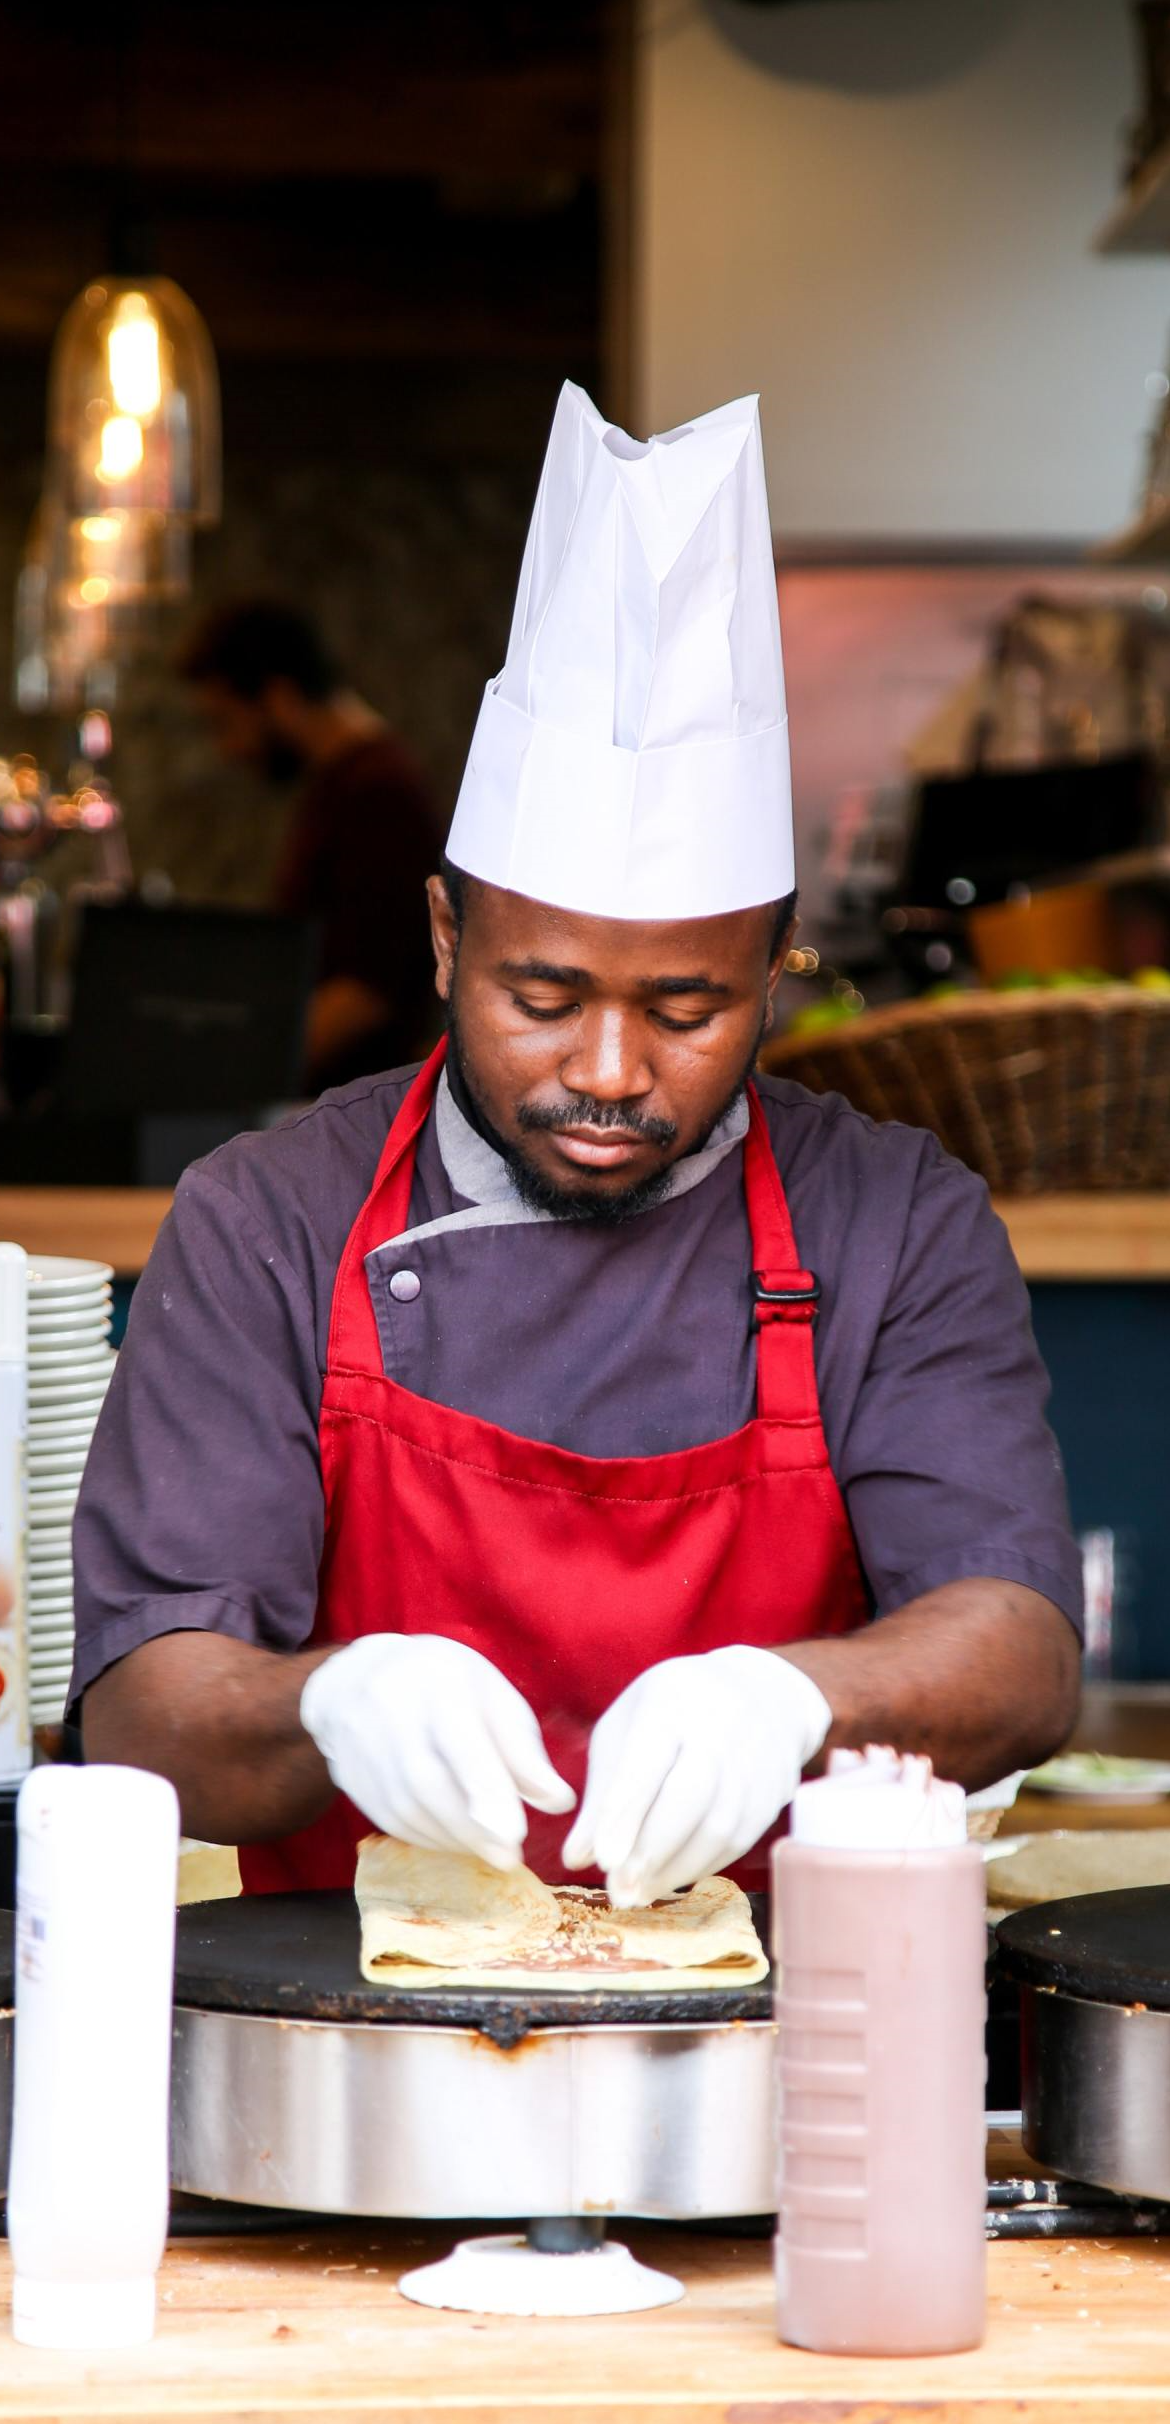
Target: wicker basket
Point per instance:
(1038, 1091)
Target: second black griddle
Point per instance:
(1102, 1948)
(296, 1957)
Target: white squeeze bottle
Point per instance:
(880, 1947)
(97, 1864)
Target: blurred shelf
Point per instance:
(1140, 219)
(1129, 868)
(116, 1225)
(1086, 1237)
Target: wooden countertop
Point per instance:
(309, 2326)
(1055, 1236)
(1089, 1236)
(115, 1225)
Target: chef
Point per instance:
(554, 1450)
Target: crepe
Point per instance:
(1049, 1867)
(443, 1919)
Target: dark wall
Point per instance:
(1107, 1349)
(393, 219)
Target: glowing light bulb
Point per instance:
(95, 735)
(94, 591)
(132, 348)
(121, 449)
(101, 529)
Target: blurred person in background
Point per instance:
(363, 840)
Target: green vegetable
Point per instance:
(1073, 1770)
(1151, 980)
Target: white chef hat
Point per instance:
(631, 760)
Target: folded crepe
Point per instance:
(445, 1919)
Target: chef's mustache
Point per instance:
(585, 1112)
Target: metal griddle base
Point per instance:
(297, 2084)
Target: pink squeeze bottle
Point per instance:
(880, 1945)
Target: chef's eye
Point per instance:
(542, 1010)
(683, 1026)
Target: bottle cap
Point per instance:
(876, 1801)
(13, 1304)
(83, 2314)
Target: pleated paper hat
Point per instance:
(631, 760)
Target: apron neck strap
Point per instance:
(353, 1331)
(785, 1294)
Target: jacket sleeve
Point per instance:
(201, 1507)
(948, 1465)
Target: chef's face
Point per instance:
(598, 1052)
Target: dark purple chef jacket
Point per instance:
(202, 1509)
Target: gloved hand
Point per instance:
(431, 1742)
(690, 1766)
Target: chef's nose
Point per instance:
(608, 1058)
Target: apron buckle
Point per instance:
(799, 1303)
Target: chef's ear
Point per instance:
(444, 935)
(782, 956)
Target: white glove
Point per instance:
(690, 1767)
(431, 1742)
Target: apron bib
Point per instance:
(573, 1574)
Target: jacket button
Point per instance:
(405, 1286)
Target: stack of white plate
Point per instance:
(69, 1366)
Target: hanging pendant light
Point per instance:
(119, 558)
(64, 653)
(134, 404)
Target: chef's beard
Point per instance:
(541, 1193)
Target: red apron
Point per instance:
(573, 1574)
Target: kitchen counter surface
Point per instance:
(308, 2325)
(1071, 1237)
(115, 1225)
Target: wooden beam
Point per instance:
(260, 91)
(363, 269)
(618, 324)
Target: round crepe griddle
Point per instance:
(296, 1957)
(1103, 1948)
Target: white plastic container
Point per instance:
(880, 1945)
(88, 2185)
(15, 1729)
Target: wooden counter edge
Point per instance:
(116, 1225)
(1069, 1237)
(1087, 1237)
